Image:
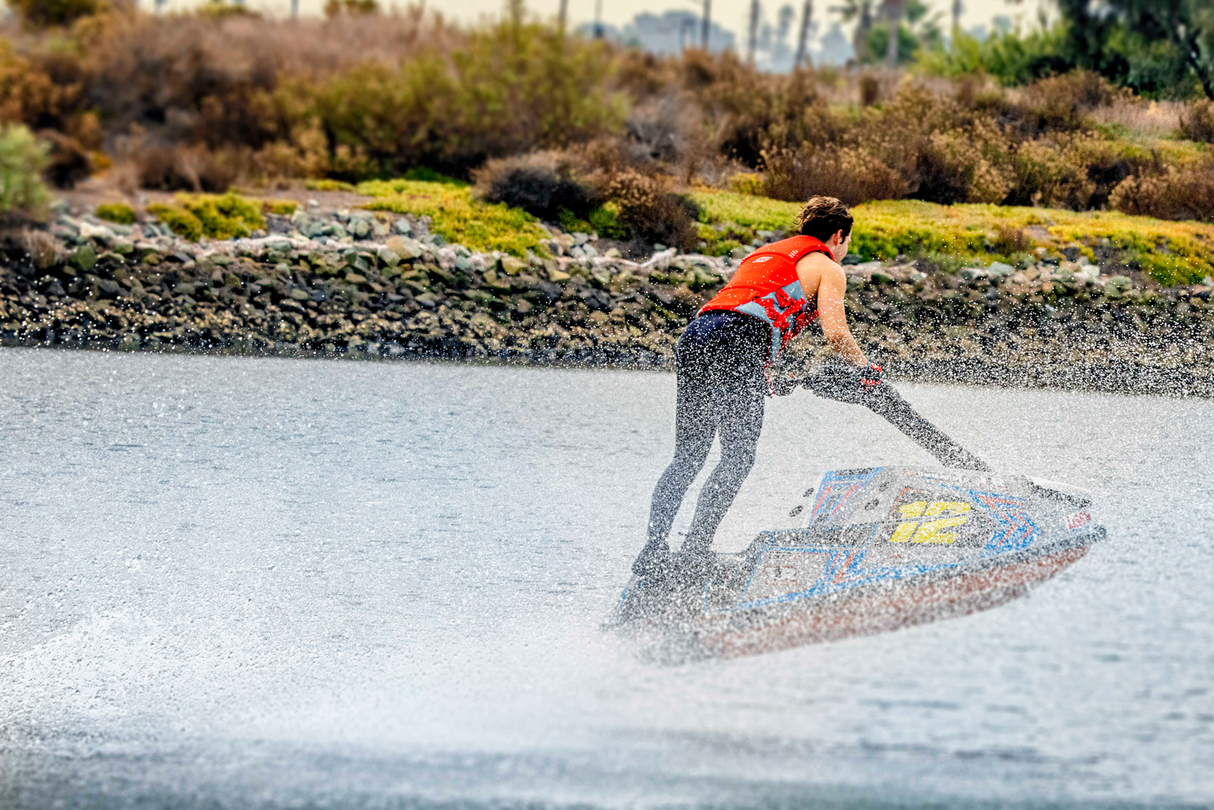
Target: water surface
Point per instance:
(271, 583)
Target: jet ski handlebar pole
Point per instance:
(844, 385)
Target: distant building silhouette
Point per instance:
(666, 34)
(836, 48)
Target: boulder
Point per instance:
(405, 247)
(388, 257)
(511, 265)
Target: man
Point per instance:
(722, 358)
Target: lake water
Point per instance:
(244, 583)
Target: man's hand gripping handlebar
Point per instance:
(866, 386)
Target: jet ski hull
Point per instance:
(884, 548)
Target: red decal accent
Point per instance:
(1077, 520)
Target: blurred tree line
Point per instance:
(1158, 48)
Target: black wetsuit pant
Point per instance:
(721, 388)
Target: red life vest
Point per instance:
(766, 286)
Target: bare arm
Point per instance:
(832, 286)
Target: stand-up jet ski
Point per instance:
(879, 548)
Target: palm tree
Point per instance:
(862, 12)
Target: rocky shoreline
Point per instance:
(370, 284)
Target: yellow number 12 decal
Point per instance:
(930, 531)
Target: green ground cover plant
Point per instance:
(217, 216)
(120, 213)
(179, 220)
(1171, 252)
(458, 216)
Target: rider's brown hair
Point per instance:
(823, 217)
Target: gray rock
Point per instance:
(408, 248)
(360, 228)
(402, 227)
(389, 257)
(580, 238)
(101, 232)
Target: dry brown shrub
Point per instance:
(965, 165)
(1009, 240)
(1058, 103)
(44, 249)
(1050, 174)
(31, 95)
(870, 90)
(304, 155)
(545, 184)
(651, 212)
(1069, 170)
(1173, 194)
(1197, 121)
(189, 79)
(1152, 119)
(180, 168)
(642, 74)
(852, 174)
(943, 150)
(68, 161)
(667, 128)
(750, 111)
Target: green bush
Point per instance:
(1011, 58)
(180, 221)
(506, 89)
(605, 220)
(22, 159)
(120, 213)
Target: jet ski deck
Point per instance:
(883, 548)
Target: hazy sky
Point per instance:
(730, 14)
